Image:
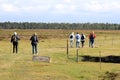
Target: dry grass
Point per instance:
(53, 43)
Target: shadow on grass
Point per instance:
(107, 59)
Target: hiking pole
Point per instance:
(67, 49)
(10, 48)
(38, 48)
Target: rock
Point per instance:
(41, 59)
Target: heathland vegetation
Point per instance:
(52, 43)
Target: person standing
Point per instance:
(83, 39)
(72, 36)
(78, 40)
(92, 37)
(14, 39)
(34, 41)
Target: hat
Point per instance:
(15, 33)
(35, 33)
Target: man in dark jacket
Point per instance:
(34, 41)
(14, 39)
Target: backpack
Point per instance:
(92, 36)
(14, 38)
(82, 37)
(34, 39)
(71, 36)
(77, 37)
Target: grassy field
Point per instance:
(53, 44)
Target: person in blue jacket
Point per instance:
(78, 37)
(34, 42)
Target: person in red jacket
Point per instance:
(92, 37)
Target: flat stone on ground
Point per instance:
(41, 59)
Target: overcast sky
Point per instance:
(67, 11)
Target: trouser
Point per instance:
(34, 49)
(15, 47)
(71, 43)
(92, 43)
(77, 44)
(82, 42)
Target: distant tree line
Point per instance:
(83, 26)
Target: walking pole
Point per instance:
(38, 49)
(67, 49)
(10, 48)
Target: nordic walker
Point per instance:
(83, 39)
(72, 36)
(78, 40)
(92, 37)
(34, 41)
(14, 39)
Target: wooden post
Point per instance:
(104, 39)
(119, 42)
(100, 59)
(77, 56)
(67, 50)
(112, 42)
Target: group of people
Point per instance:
(34, 40)
(81, 39)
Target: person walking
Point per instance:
(83, 39)
(34, 41)
(92, 37)
(78, 37)
(72, 36)
(14, 39)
